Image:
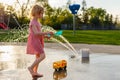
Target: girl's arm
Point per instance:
(37, 33)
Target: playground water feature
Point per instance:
(22, 33)
(57, 39)
(14, 62)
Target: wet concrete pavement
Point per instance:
(100, 66)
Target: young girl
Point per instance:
(35, 43)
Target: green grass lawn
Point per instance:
(111, 37)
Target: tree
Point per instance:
(56, 16)
(23, 7)
(96, 16)
(116, 20)
(11, 17)
(84, 12)
(23, 11)
(1, 5)
(44, 1)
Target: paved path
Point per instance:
(93, 47)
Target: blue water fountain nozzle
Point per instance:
(74, 8)
(58, 33)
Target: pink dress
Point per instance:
(35, 44)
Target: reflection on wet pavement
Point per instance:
(85, 60)
(57, 75)
(99, 66)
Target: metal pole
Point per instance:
(73, 24)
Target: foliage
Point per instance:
(57, 16)
(110, 37)
(13, 35)
(91, 18)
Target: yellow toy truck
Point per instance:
(60, 65)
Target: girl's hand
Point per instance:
(49, 35)
(48, 38)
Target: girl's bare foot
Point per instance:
(33, 73)
(40, 75)
(37, 75)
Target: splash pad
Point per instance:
(21, 34)
(60, 39)
(14, 61)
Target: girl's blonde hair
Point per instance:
(36, 9)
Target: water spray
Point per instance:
(57, 36)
